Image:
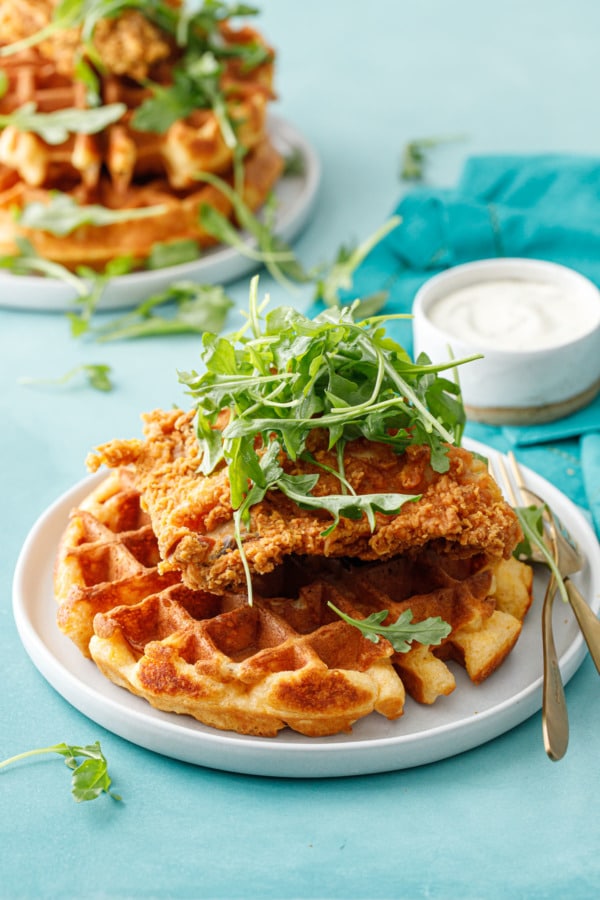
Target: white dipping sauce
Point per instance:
(513, 314)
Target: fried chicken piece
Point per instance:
(460, 513)
(22, 18)
(128, 44)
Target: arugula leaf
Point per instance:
(279, 258)
(531, 520)
(90, 777)
(198, 308)
(400, 633)
(415, 155)
(172, 253)
(55, 127)
(339, 276)
(196, 85)
(294, 164)
(86, 75)
(276, 255)
(28, 261)
(96, 374)
(62, 214)
(349, 506)
(220, 226)
(88, 284)
(167, 105)
(328, 372)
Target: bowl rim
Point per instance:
(523, 266)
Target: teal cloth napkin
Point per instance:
(541, 207)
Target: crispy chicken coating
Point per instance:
(460, 513)
(128, 44)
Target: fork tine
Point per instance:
(526, 495)
(516, 470)
(507, 483)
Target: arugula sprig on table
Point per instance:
(285, 376)
(278, 257)
(61, 215)
(90, 777)
(185, 307)
(97, 376)
(196, 308)
(415, 155)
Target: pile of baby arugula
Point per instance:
(286, 375)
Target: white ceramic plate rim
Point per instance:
(296, 195)
(453, 725)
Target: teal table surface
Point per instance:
(358, 80)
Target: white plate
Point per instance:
(295, 194)
(467, 718)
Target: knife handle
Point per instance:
(555, 718)
(587, 620)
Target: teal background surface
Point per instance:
(359, 80)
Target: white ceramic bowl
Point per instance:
(516, 382)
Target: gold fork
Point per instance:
(570, 560)
(555, 718)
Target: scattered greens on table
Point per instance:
(97, 376)
(90, 777)
(415, 156)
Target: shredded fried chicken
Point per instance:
(460, 513)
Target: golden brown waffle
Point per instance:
(288, 659)
(485, 603)
(178, 219)
(122, 167)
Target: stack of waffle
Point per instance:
(287, 660)
(121, 167)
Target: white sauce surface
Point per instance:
(514, 315)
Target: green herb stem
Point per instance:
(90, 777)
(534, 537)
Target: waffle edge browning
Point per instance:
(122, 167)
(288, 660)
